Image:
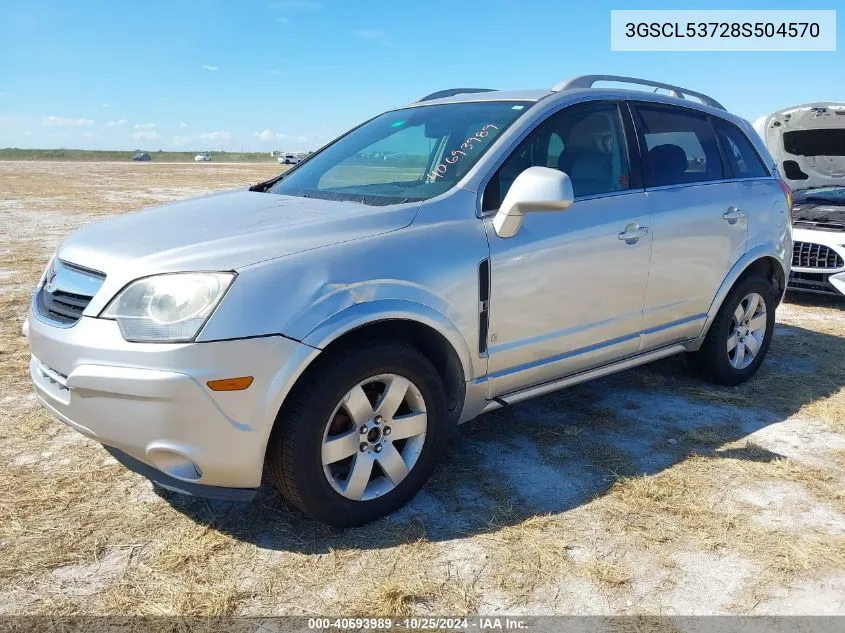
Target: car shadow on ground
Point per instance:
(557, 452)
(811, 300)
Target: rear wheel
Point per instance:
(740, 336)
(360, 435)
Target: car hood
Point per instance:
(225, 231)
(808, 144)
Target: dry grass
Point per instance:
(688, 500)
(607, 575)
(81, 535)
(106, 188)
(814, 346)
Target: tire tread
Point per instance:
(293, 423)
(708, 360)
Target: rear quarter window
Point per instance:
(742, 158)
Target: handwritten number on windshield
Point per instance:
(467, 146)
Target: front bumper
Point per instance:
(824, 279)
(821, 282)
(150, 402)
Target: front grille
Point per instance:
(809, 255)
(814, 282)
(55, 377)
(64, 307)
(820, 225)
(67, 291)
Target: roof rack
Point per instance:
(587, 81)
(451, 92)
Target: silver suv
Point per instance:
(456, 255)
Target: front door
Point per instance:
(567, 290)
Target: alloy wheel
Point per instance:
(747, 331)
(374, 437)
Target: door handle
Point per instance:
(633, 233)
(733, 214)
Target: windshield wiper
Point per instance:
(264, 186)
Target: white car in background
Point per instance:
(808, 144)
(288, 159)
(202, 157)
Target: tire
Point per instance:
(714, 360)
(328, 406)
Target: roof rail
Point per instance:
(451, 92)
(587, 81)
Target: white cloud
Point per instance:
(87, 134)
(371, 34)
(183, 125)
(144, 135)
(145, 126)
(267, 135)
(117, 123)
(273, 71)
(180, 141)
(106, 105)
(66, 122)
(215, 136)
(301, 138)
(282, 20)
(211, 68)
(27, 133)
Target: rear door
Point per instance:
(758, 193)
(699, 221)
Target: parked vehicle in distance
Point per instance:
(288, 159)
(139, 155)
(808, 145)
(337, 321)
(202, 157)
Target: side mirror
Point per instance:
(534, 190)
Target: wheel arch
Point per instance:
(762, 260)
(426, 329)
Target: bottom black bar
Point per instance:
(177, 485)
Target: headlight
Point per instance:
(167, 308)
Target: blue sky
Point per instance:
(292, 74)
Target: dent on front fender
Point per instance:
(362, 314)
(427, 272)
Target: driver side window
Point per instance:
(586, 141)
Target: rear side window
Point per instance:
(742, 159)
(681, 146)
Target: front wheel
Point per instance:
(360, 435)
(740, 335)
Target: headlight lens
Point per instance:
(167, 308)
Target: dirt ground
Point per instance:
(649, 492)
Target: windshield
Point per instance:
(404, 155)
(821, 194)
